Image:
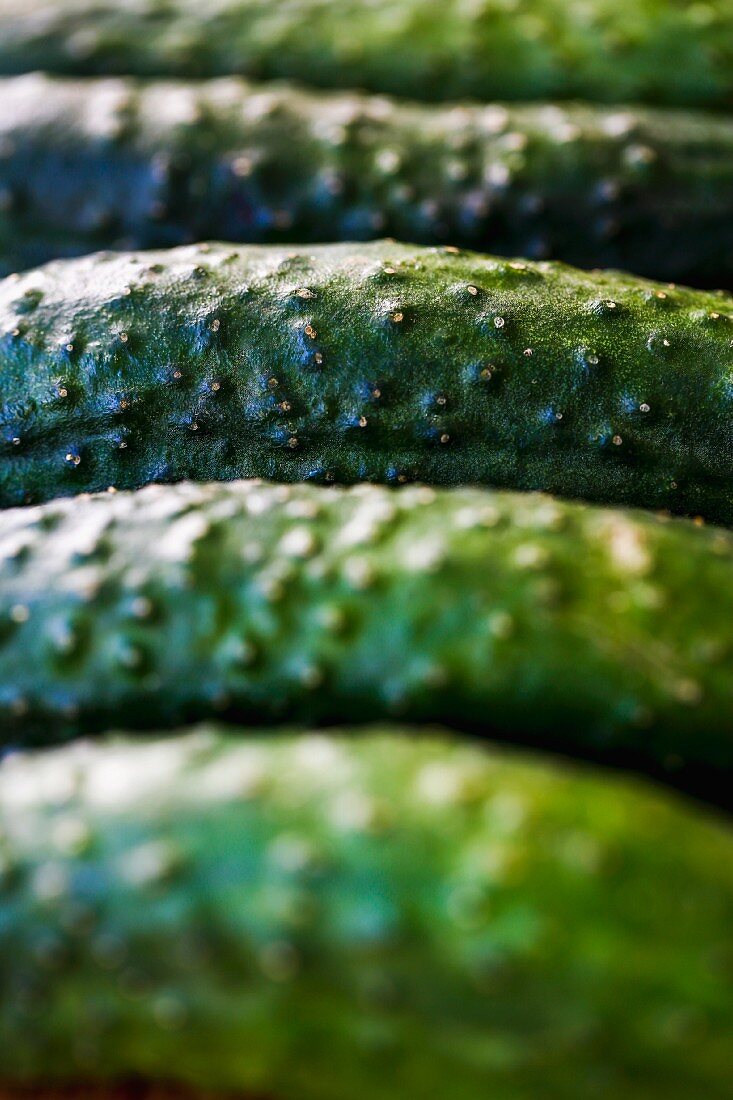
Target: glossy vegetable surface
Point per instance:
(374, 362)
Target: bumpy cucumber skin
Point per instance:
(593, 631)
(124, 164)
(317, 917)
(646, 51)
(375, 362)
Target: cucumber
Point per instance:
(379, 362)
(120, 163)
(319, 916)
(648, 51)
(273, 603)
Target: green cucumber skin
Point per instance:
(312, 917)
(124, 164)
(269, 603)
(375, 362)
(650, 51)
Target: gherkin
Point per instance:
(651, 51)
(326, 915)
(130, 164)
(593, 631)
(375, 362)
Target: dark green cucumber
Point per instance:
(599, 632)
(653, 51)
(117, 163)
(377, 362)
(320, 917)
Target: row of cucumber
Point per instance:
(315, 917)
(320, 916)
(379, 363)
(140, 163)
(120, 163)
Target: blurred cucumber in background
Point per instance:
(329, 916)
(120, 163)
(265, 604)
(650, 51)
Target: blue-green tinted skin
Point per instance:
(592, 631)
(374, 362)
(314, 917)
(120, 163)
(655, 51)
